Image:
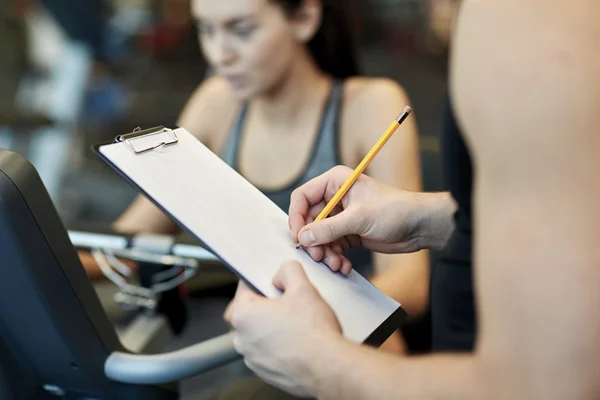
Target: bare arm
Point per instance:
(532, 121)
(370, 107)
(529, 106)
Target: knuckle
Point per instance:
(290, 265)
(227, 316)
(238, 316)
(295, 194)
(340, 170)
(305, 290)
(291, 268)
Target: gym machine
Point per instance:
(56, 340)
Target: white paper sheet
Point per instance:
(243, 227)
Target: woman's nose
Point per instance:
(222, 53)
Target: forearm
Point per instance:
(89, 264)
(351, 372)
(405, 278)
(437, 219)
(142, 216)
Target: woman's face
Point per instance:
(250, 43)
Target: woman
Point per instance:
(285, 105)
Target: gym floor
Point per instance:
(425, 82)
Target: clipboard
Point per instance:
(202, 194)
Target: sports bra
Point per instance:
(324, 156)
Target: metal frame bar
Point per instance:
(173, 366)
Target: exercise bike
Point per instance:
(56, 340)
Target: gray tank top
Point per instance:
(324, 156)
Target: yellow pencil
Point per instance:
(363, 165)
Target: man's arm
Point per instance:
(407, 283)
(530, 106)
(350, 372)
(530, 109)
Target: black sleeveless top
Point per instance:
(453, 315)
(324, 156)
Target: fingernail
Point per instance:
(326, 260)
(308, 238)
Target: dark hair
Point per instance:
(333, 46)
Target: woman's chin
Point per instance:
(247, 92)
(242, 93)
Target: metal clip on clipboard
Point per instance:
(133, 295)
(141, 141)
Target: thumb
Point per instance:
(290, 275)
(330, 229)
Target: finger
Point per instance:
(227, 313)
(353, 242)
(306, 196)
(337, 246)
(346, 266)
(240, 290)
(318, 189)
(330, 229)
(314, 212)
(316, 253)
(336, 210)
(340, 246)
(242, 287)
(332, 259)
(291, 275)
(296, 222)
(346, 243)
(245, 302)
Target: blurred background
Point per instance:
(74, 73)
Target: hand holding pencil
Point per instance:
(362, 201)
(364, 164)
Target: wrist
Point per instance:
(323, 363)
(437, 219)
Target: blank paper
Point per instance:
(244, 228)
